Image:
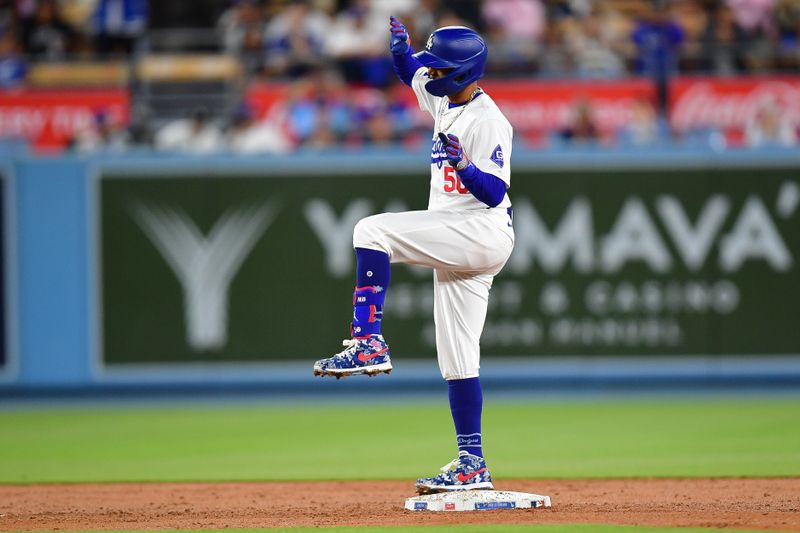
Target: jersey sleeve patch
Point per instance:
(497, 156)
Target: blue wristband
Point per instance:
(406, 65)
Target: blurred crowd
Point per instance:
(546, 38)
(318, 111)
(323, 113)
(34, 31)
(334, 56)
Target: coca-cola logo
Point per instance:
(702, 105)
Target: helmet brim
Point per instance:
(429, 60)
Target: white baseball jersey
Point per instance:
(485, 136)
(464, 242)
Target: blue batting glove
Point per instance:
(399, 42)
(453, 151)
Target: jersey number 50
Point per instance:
(452, 181)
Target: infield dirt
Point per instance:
(769, 504)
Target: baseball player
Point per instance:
(465, 236)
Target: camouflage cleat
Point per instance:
(368, 355)
(465, 472)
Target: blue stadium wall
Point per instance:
(674, 266)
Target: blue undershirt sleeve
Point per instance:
(486, 187)
(405, 65)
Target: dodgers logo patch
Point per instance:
(497, 156)
(438, 155)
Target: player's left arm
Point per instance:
(487, 174)
(405, 65)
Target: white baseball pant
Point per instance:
(466, 249)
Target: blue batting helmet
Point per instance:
(457, 48)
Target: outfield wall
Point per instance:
(137, 270)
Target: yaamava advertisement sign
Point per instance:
(243, 268)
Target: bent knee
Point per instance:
(368, 234)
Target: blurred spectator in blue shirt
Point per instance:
(403, 114)
(12, 66)
(318, 111)
(788, 21)
(658, 40)
(375, 121)
(117, 24)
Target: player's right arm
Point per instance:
(408, 69)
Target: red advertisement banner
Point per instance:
(731, 103)
(49, 119)
(551, 105)
(531, 106)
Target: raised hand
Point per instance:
(453, 150)
(399, 43)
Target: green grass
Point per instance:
(507, 528)
(706, 438)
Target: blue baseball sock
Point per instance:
(373, 273)
(466, 404)
(372, 268)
